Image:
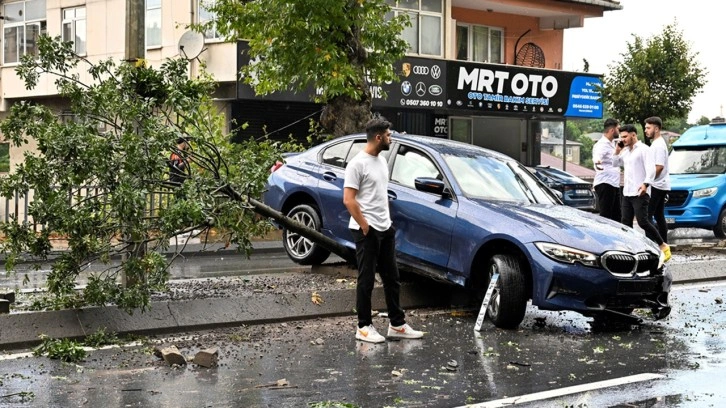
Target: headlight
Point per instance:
(565, 254)
(706, 192)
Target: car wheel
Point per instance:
(509, 300)
(720, 229)
(300, 249)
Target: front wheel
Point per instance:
(509, 300)
(300, 249)
(720, 228)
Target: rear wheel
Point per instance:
(720, 228)
(300, 249)
(509, 300)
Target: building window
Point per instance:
(205, 15)
(74, 28)
(24, 24)
(425, 34)
(479, 43)
(153, 23)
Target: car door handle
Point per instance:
(329, 176)
(392, 195)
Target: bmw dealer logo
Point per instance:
(435, 72)
(406, 88)
(435, 90)
(420, 89)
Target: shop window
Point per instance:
(424, 37)
(479, 43)
(24, 23)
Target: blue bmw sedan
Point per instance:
(463, 213)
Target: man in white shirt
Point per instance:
(607, 175)
(662, 180)
(365, 195)
(638, 176)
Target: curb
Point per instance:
(23, 329)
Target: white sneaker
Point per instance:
(404, 332)
(369, 334)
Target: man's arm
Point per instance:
(350, 202)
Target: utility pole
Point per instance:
(134, 54)
(135, 30)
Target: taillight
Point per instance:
(276, 166)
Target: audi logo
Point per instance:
(420, 70)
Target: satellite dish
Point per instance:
(191, 44)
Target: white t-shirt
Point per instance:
(659, 150)
(369, 175)
(602, 152)
(639, 168)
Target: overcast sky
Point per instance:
(602, 41)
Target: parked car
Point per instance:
(574, 191)
(463, 213)
(697, 166)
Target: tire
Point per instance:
(509, 301)
(720, 228)
(300, 249)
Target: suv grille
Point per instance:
(621, 263)
(677, 198)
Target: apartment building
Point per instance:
(486, 72)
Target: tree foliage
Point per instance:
(337, 47)
(658, 76)
(97, 168)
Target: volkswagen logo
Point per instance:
(420, 89)
(435, 72)
(420, 70)
(406, 88)
(435, 90)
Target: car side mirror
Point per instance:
(429, 185)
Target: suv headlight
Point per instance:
(705, 192)
(565, 254)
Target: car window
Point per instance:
(335, 155)
(411, 163)
(358, 146)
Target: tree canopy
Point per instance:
(337, 47)
(99, 175)
(657, 76)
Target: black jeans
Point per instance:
(377, 250)
(656, 208)
(608, 199)
(638, 207)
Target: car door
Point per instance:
(423, 221)
(330, 187)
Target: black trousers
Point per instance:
(377, 250)
(608, 199)
(656, 209)
(638, 207)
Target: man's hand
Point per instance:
(642, 190)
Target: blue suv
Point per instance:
(697, 166)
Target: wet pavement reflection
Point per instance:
(453, 365)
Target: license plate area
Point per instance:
(636, 286)
(670, 220)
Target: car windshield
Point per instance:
(700, 160)
(487, 177)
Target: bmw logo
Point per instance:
(406, 88)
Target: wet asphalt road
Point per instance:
(321, 363)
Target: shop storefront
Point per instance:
(501, 107)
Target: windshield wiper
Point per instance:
(527, 190)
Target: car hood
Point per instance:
(571, 227)
(694, 181)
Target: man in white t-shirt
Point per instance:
(607, 175)
(662, 180)
(365, 195)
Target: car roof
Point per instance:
(705, 135)
(448, 146)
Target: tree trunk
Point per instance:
(344, 115)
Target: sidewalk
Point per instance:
(333, 283)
